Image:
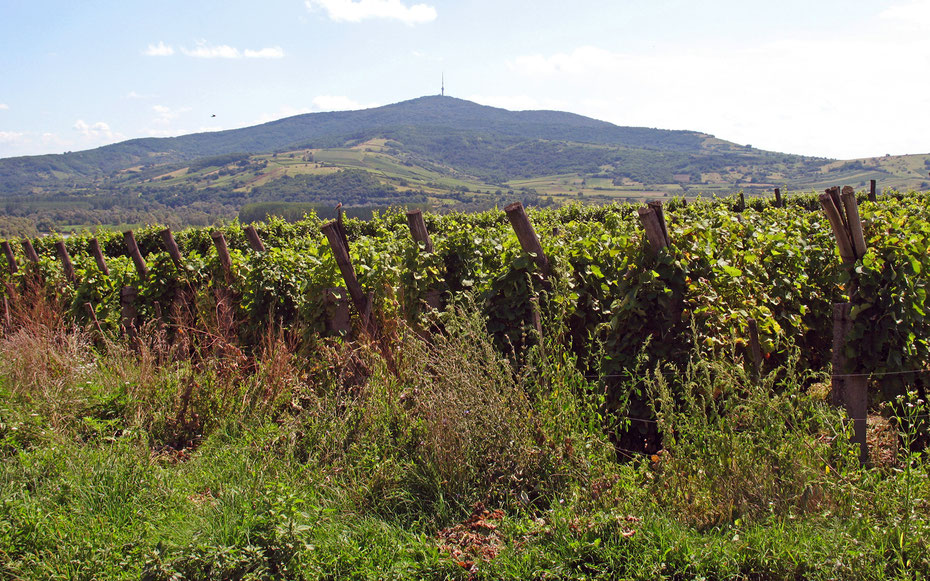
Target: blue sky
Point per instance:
(817, 77)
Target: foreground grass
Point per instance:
(151, 465)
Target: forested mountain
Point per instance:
(438, 151)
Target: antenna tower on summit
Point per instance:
(442, 90)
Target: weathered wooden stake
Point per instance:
(418, 229)
(65, 260)
(843, 241)
(656, 206)
(527, 235)
(653, 228)
(778, 203)
(98, 256)
(341, 252)
(872, 196)
(134, 253)
(10, 257)
(223, 252)
(128, 312)
(30, 250)
(742, 202)
(849, 389)
(172, 247)
(255, 241)
(853, 221)
(834, 194)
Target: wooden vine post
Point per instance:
(222, 250)
(30, 251)
(172, 247)
(98, 256)
(421, 235)
(65, 258)
(529, 241)
(778, 203)
(337, 241)
(35, 277)
(418, 229)
(10, 257)
(653, 218)
(849, 386)
(255, 241)
(128, 312)
(135, 254)
(872, 196)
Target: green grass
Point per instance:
(123, 464)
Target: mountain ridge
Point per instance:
(309, 128)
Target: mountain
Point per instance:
(437, 151)
(334, 128)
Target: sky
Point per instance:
(830, 78)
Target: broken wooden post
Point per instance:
(527, 235)
(418, 229)
(849, 389)
(778, 203)
(336, 239)
(254, 239)
(223, 252)
(10, 257)
(98, 256)
(843, 240)
(128, 312)
(872, 196)
(65, 258)
(30, 251)
(656, 235)
(853, 222)
(135, 254)
(656, 206)
(172, 247)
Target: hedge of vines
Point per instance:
(608, 296)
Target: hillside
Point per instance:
(431, 151)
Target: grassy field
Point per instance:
(202, 461)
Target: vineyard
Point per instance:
(603, 321)
(613, 296)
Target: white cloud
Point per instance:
(206, 51)
(818, 95)
(916, 11)
(135, 95)
(4, 106)
(10, 136)
(160, 49)
(166, 115)
(272, 52)
(358, 10)
(98, 130)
